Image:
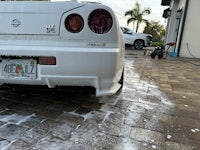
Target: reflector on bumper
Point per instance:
(47, 61)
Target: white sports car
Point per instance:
(61, 44)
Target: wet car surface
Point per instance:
(158, 108)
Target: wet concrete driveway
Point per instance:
(158, 108)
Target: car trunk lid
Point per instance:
(33, 18)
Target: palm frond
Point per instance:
(146, 11)
(130, 20)
(128, 13)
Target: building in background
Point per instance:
(183, 26)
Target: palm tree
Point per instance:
(137, 15)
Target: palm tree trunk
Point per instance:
(133, 25)
(137, 27)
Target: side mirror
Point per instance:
(129, 32)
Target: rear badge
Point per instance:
(97, 44)
(15, 23)
(50, 29)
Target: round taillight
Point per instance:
(100, 21)
(74, 23)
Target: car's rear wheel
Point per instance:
(139, 44)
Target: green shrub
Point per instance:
(156, 44)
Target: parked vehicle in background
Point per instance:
(61, 44)
(138, 40)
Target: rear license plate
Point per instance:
(19, 68)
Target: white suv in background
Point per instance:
(138, 40)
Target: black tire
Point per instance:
(139, 44)
(153, 54)
(121, 81)
(160, 54)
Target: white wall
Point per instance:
(191, 34)
(181, 6)
(170, 36)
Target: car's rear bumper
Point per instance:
(100, 68)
